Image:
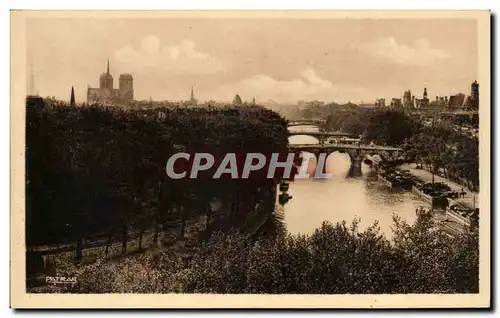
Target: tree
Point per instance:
(98, 174)
(335, 259)
(390, 127)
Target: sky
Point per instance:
(284, 60)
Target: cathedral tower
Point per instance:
(106, 80)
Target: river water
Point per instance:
(344, 198)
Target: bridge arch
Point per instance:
(358, 157)
(312, 140)
(323, 136)
(341, 161)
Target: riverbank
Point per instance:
(427, 198)
(449, 221)
(384, 180)
(470, 198)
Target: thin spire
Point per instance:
(31, 84)
(72, 98)
(192, 92)
(108, 67)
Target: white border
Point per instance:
(147, 4)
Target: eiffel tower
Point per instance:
(31, 83)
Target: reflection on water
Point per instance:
(341, 198)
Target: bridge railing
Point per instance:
(305, 122)
(349, 146)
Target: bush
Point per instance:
(334, 259)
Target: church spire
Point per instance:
(72, 98)
(108, 67)
(192, 101)
(31, 82)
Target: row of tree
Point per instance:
(335, 259)
(99, 173)
(441, 148)
(390, 127)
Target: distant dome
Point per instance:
(237, 100)
(126, 76)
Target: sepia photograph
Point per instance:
(250, 159)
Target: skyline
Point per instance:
(271, 59)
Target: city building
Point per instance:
(366, 105)
(408, 100)
(424, 102)
(440, 101)
(107, 94)
(463, 101)
(474, 94)
(396, 103)
(380, 102)
(457, 101)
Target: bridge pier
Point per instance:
(356, 160)
(321, 139)
(317, 154)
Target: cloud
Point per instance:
(182, 58)
(307, 86)
(420, 53)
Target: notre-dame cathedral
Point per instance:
(106, 94)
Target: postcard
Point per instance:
(250, 159)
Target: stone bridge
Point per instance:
(357, 153)
(322, 136)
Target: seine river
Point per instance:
(344, 198)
